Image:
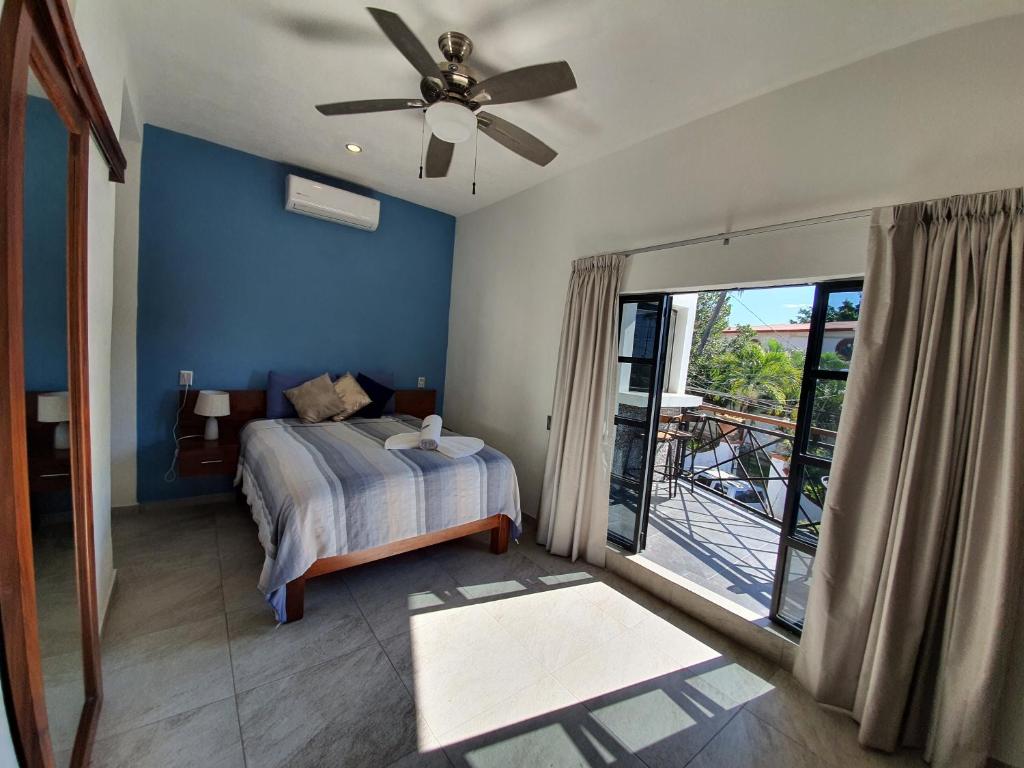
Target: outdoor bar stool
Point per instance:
(690, 427)
(673, 438)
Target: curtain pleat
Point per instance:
(917, 576)
(574, 500)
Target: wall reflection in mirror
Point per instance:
(48, 416)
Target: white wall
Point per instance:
(678, 366)
(123, 392)
(99, 30)
(938, 117)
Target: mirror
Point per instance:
(47, 417)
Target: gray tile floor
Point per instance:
(445, 656)
(710, 542)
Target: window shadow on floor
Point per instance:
(662, 711)
(726, 551)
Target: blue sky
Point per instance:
(768, 306)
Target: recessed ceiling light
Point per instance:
(354, 148)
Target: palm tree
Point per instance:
(750, 373)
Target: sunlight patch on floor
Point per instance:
(565, 578)
(420, 600)
(511, 751)
(493, 589)
(506, 668)
(650, 717)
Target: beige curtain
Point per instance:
(917, 576)
(574, 501)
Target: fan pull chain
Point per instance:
(423, 140)
(476, 151)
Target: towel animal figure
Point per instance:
(429, 438)
(430, 433)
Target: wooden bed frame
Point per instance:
(249, 404)
(498, 525)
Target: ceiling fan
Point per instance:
(453, 95)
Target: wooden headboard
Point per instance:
(249, 404)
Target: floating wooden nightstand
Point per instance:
(198, 457)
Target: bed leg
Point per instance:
(499, 536)
(295, 598)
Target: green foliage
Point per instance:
(711, 318)
(739, 372)
(847, 310)
(764, 379)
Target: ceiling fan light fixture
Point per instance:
(451, 122)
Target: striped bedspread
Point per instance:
(318, 490)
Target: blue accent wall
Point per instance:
(231, 285)
(45, 248)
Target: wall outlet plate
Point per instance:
(421, 382)
(184, 378)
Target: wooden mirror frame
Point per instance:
(40, 34)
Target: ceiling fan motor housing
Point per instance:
(455, 46)
(455, 78)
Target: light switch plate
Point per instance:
(185, 378)
(421, 382)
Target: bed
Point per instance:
(328, 496)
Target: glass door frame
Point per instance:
(657, 364)
(789, 537)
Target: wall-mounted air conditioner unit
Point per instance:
(331, 204)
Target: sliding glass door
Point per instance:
(830, 343)
(643, 325)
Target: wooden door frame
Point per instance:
(40, 34)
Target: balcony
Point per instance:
(715, 544)
(718, 501)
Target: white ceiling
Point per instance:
(246, 73)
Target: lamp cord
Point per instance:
(172, 472)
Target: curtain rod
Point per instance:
(727, 236)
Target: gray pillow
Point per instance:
(316, 399)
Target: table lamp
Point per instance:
(52, 407)
(212, 403)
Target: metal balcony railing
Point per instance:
(741, 457)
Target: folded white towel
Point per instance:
(429, 439)
(458, 447)
(403, 442)
(430, 432)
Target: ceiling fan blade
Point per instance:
(406, 42)
(515, 138)
(439, 157)
(369, 105)
(533, 82)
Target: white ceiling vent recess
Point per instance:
(331, 204)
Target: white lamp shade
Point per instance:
(450, 122)
(53, 407)
(213, 402)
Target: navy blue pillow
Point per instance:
(379, 394)
(278, 405)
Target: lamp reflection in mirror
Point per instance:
(52, 408)
(212, 403)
